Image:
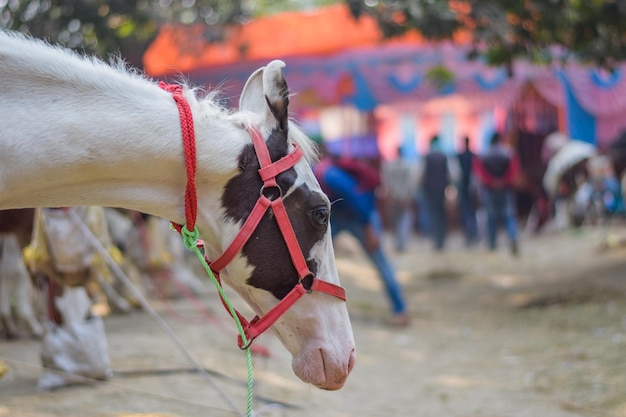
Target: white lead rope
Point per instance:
(93, 240)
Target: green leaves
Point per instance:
(502, 30)
(591, 31)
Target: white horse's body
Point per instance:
(75, 131)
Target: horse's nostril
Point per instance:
(351, 360)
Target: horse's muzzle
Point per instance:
(323, 368)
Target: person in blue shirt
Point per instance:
(351, 185)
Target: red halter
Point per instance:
(268, 172)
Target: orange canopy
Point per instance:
(322, 31)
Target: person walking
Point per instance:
(351, 186)
(466, 194)
(399, 177)
(435, 173)
(497, 171)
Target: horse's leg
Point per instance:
(24, 293)
(39, 283)
(7, 325)
(18, 287)
(6, 275)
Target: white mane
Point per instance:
(66, 67)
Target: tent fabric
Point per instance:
(600, 93)
(581, 124)
(334, 60)
(596, 102)
(319, 32)
(369, 76)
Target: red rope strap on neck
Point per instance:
(189, 143)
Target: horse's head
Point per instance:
(316, 329)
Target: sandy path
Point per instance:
(491, 335)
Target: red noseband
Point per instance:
(268, 172)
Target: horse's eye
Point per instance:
(320, 215)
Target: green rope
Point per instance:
(190, 239)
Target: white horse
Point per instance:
(76, 131)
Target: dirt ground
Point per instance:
(491, 335)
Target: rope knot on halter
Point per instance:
(190, 238)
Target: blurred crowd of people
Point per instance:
(416, 193)
(475, 192)
(429, 195)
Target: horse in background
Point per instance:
(80, 132)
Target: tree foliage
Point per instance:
(502, 30)
(96, 26)
(127, 26)
(591, 31)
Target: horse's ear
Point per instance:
(277, 92)
(266, 90)
(252, 97)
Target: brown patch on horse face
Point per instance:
(266, 249)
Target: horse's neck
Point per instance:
(88, 150)
(74, 133)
